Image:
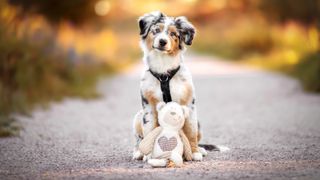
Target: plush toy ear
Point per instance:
(147, 20)
(186, 111)
(160, 105)
(186, 29)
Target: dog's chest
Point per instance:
(180, 89)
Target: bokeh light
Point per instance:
(102, 7)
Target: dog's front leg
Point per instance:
(148, 120)
(138, 134)
(190, 129)
(143, 123)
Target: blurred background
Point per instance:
(53, 49)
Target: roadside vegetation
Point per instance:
(290, 48)
(41, 62)
(277, 35)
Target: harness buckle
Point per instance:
(164, 78)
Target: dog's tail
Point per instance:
(212, 147)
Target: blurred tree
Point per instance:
(306, 11)
(76, 11)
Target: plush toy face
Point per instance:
(172, 115)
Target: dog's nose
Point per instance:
(173, 113)
(162, 42)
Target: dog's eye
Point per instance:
(173, 34)
(157, 30)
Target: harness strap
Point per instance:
(164, 79)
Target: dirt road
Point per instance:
(271, 126)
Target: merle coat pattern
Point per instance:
(163, 41)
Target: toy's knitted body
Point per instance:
(167, 142)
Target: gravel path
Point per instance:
(271, 126)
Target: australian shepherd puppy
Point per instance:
(166, 78)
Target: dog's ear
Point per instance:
(186, 29)
(186, 111)
(147, 20)
(160, 105)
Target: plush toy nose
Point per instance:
(173, 113)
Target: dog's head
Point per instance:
(165, 34)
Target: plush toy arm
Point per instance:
(147, 143)
(186, 146)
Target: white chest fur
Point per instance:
(181, 86)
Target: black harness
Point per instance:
(165, 82)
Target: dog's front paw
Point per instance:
(137, 155)
(146, 157)
(203, 151)
(197, 156)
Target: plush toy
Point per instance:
(167, 144)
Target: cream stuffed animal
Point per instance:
(167, 143)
